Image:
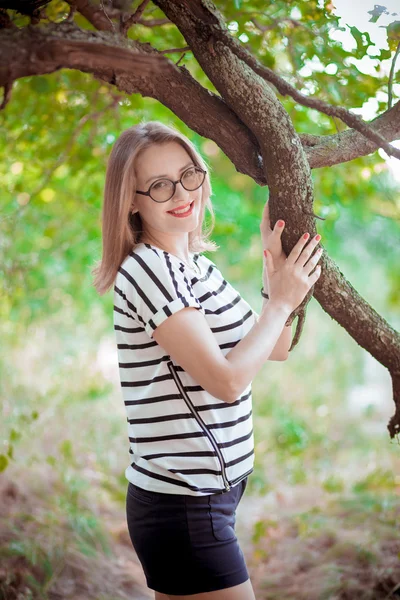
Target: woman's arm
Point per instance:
(281, 348)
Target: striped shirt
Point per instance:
(182, 439)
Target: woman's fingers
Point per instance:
(308, 250)
(313, 261)
(299, 250)
(269, 263)
(265, 220)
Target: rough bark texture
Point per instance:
(246, 120)
(35, 50)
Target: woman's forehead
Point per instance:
(162, 159)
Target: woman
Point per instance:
(188, 347)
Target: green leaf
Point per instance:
(362, 46)
(3, 462)
(393, 31)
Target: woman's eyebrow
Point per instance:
(156, 176)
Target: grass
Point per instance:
(325, 469)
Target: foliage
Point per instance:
(55, 150)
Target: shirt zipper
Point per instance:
(201, 423)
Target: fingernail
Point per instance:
(265, 253)
(281, 223)
(306, 235)
(317, 237)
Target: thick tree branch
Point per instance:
(284, 161)
(207, 114)
(202, 110)
(329, 150)
(289, 180)
(323, 151)
(286, 89)
(30, 51)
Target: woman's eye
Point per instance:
(159, 184)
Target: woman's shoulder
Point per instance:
(150, 257)
(141, 252)
(146, 259)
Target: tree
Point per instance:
(237, 99)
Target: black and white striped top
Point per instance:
(182, 439)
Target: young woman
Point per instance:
(188, 347)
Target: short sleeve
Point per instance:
(155, 287)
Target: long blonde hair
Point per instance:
(122, 230)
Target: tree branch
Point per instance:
(391, 75)
(289, 178)
(33, 50)
(126, 23)
(208, 114)
(202, 110)
(95, 15)
(170, 50)
(329, 150)
(100, 18)
(286, 89)
(323, 151)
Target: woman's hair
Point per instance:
(122, 230)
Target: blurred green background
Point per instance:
(323, 501)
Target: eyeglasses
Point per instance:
(162, 190)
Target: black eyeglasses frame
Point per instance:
(174, 184)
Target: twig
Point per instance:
(154, 22)
(184, 49)
(179, 59)
(390, 85)
(72, 11)
(126, 23)
(103, 9)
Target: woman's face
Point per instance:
(160, 161)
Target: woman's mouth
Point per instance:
(184, 213)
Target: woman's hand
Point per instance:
(271, 239)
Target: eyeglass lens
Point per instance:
(163, 189)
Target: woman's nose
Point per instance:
(180, 192)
